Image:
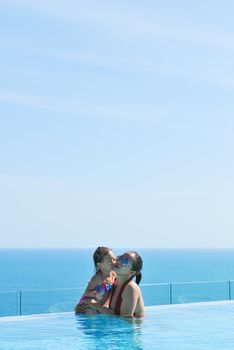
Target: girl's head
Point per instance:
(104, 259)
(130, 264)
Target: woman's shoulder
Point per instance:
(132, 286)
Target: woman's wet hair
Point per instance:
(99, 255)
(137, 265)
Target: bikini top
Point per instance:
(119, 297)
(104, 286)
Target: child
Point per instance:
(100, 285)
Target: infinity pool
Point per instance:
(200, 326)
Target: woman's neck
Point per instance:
(121, 279)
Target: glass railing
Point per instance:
(9, 303)
(61, 300)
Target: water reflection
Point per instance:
(111, 331)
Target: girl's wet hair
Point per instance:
(137, 265)
(99, 255)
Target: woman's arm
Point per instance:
(100, 308)
(140, 308)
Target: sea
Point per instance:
(47, 269)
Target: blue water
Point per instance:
(42, 269)
(46, 277)
(199, 326)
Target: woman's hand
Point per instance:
(99, 308)
(81, 308)
(94, 305)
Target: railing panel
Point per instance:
(47, 301)
(60, 300)
(9, 303)
(156, 294)
(190, 292)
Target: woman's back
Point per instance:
(127, 300)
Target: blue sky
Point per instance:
(116, 124)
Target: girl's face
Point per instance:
(108, 263)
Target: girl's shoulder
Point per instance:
(97, 278)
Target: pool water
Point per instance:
(200, 326)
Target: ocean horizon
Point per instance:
(48, 268)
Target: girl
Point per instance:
(100, 285)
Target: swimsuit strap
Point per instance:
(119, 298)
(113, 291)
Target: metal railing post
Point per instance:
(229, 290)
(19, 303)
(170, 293)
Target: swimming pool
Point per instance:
(200, 326)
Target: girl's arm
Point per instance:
(89, 293)
(90, 290)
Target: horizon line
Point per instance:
(116, 247)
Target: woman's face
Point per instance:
(124, 264)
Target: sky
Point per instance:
(116, 124)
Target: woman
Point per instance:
(126, 299)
